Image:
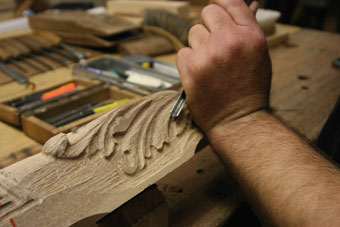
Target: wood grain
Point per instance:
(15, 145)
(305, 104)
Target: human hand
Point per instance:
(226, 70)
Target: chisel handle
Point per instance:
(14, 74)
(25, 40)
(18, 45)
(4, 56)
(10, 49)
(43, 43)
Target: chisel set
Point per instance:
(29, 54)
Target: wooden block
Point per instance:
(99, 167)
(148, 208)
(81, 22)
(150, 45)
(137, 7)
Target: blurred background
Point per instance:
(317, 14)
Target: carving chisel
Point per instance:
(78, 54)
(20, 52)
(178, 106)
(35, 47)
(14, 74)
(61, 53)
(27, 52)
(48, 46)
(6, 55)
(10, 72)
(55, 41)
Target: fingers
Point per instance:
(182, 61)
(238, 10)
(254, 6)
(198, 36)
(214, 17)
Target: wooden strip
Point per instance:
(137, 7)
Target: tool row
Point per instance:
(62, 107)
(19, 55)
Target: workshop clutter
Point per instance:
(99, 86)
(82, 28)
(25, 55)
(63, 107)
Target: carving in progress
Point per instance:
(97, 168)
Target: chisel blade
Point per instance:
(178, 106)
(13, 74)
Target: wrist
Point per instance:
(236, 130)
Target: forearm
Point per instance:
(288, 182)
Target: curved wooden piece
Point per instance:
(100, 166)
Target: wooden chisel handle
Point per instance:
(3, 54)
(42, 42)
(18, 45)
(50, 37)
(11, 49)
(25, 40)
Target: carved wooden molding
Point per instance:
(100, 166)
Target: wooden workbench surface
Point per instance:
(305, 86)
(200, 193)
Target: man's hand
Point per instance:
(226, 71)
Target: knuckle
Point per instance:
(234, 3)
(234, 46)
(259, 41)
(208, 11)
(192, 69)
(182, 57)
(182, 53)
(194, 30)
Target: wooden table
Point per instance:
(201, 192)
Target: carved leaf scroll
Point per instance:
(129, 131)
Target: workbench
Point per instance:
(305, 88)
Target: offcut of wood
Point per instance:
(80, 22)
(135, 8)
(97, 168)
(149, 45)
(82, 28)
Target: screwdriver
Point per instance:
(45, 47)
(36, 48)
(19, 52)
(27, 51)
(10, 53)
